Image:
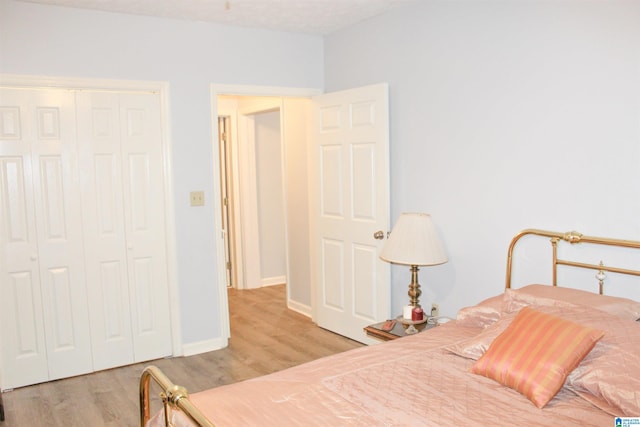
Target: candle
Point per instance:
(406, 312)
(417, 314)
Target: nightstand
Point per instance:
(395, 333)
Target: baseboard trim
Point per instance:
(272, 281)
(299, 308)
(191, 349)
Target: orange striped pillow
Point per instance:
(536, 353)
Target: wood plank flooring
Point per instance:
(265, 337)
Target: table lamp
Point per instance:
(414, 242)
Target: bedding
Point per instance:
(427, 380)
(609, 376)
(465, 372)
(413, 381)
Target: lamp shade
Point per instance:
(414, 241)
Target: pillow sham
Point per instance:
(481, 315)
(474, 347)
(535, 354)
(515, 299)
(610, 375)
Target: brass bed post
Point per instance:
(554, 245)
(516, 238)
(173, 396)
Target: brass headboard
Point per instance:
(573, 237)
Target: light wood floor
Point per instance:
(265, 337)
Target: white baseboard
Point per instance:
(205, 346)
(272, 281)
(299, 308)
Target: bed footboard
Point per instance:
(173, 397)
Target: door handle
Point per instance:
(378, 235)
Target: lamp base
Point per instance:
(414, 287)
(413, 326)
(411, 330)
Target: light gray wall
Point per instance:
(55, 41)
(505, 115)
(297, 114)
(271, 223)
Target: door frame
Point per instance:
(162, 88)
(238, 90)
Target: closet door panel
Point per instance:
(22, 342)
(145, 222)
(99, 134)
(17, 232)
(58, 215)
(23, 345)
(44, 317)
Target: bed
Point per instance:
(536, 355)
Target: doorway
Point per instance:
(294, 106)
(252, 191)
(303, 122)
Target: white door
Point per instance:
(104, 230)
(45, 323)
(123, 197)
(143, 176)
(350, 188)
(224, 154)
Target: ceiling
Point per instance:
(301, 16)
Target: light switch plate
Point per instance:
(197, 198)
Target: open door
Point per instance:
(349, 163)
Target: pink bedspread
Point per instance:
(413, 381)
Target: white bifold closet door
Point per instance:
(84, 282)
(120, 146)
(44, 314)
(121, 172)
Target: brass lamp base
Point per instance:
(414, 287)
